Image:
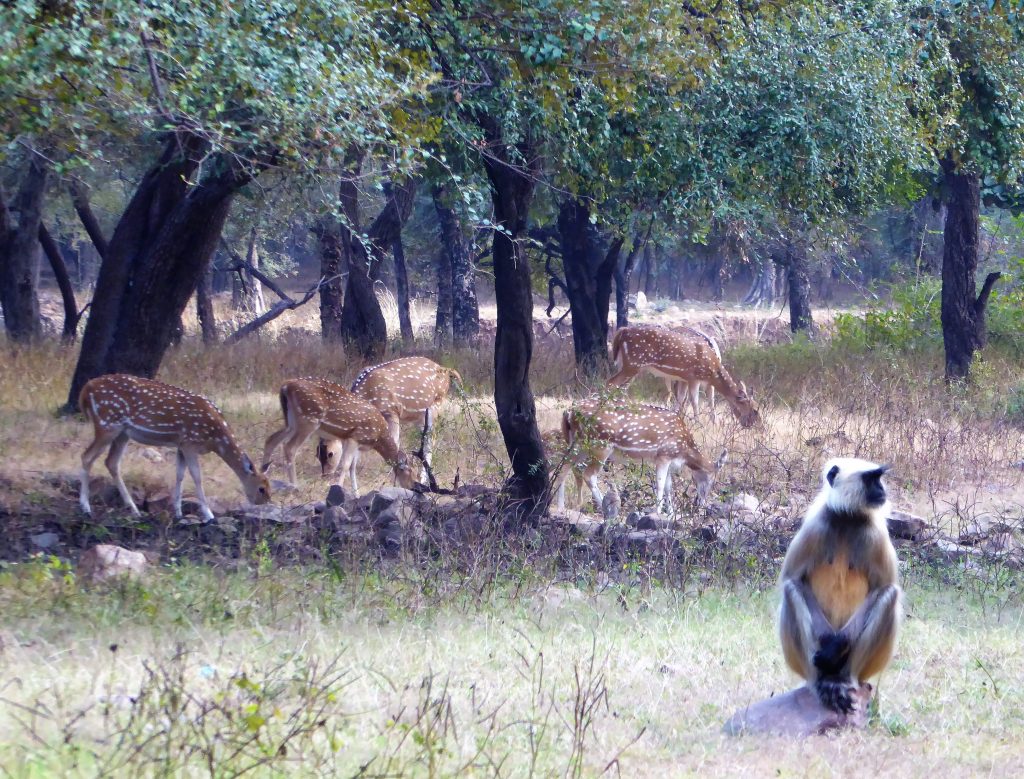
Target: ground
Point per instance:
(513, 657)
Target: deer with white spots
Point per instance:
(339, 416)
(641, 432)
(408, 389)
(125, 408)
(685, 360)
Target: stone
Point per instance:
(798, 714)
(654, 521)
(905, 525)
(109, 561)
(336, 496)
(953, 552)
(151, 454)
(44, 540)
(744, 501)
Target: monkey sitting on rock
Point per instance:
(841, 600)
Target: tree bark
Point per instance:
(204, 308)
(511, 193)
(80, 200)
(362, 322)
(588, 277)
(623, 278)
(161, 246)
(246, 290)
(465, 307)
(67, 291)
(19, 254)
(401, 284)
(443, 319)
(799, 280)
(963, 311)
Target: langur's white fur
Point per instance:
(846, 493)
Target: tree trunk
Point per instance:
(465, 308)
(624, 277)
(763, 289)
(67, 291)
(588, 275)
(963, 313)
(246, 289)
(161, 246)
(204, 308)
(401, 284)
(80, 200)
(362, 322)
(443, 319)
(19, 254)
(511, 193)
(798, 276)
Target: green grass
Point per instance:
(197, 672)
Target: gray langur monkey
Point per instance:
(841, 600)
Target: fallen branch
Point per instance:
(240, 264)
(287, 304)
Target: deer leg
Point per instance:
(590, 474)
(113, 463)
(300, 434)
(673, 393)
(349, 455)
(693, 390)
(664, 479)
(427, 441)
(102, 440)
(192, 461)
(352, 472)
(178, 481)
(711, 402)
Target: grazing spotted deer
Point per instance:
(408, 389)
(641, 432)
(317, 405)
(560, 457)
(126, 408)
(691, 359)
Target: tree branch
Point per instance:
(286, 304)
(986, 290)
(241, 264)
(80, 200)
(67, 291)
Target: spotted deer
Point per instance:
(408, 389)
(690, 360)
(126, 408)
(562, 462)
(317, 405)
(595, 432)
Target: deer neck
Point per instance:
(726, 384)
(387, 449)
(230, 452)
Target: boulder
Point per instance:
(798, 714)
(905, 525)
(108, 561)
(44, 541)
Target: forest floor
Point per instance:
(518, 656)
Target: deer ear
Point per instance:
(247, 464)
(265, 468)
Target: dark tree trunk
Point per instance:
(335, 238)
(67, 291)
(80, 200)
(799, 279)
(246, 290)
(19, 254)
(401, 284)
(963, 311)
(161, 246)
(511, 193)
(204, 308)
(624, 277)
(443, 318)
(465, 308)
(362, 321)
(588, 277)
(764, 286)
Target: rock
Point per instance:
(905, 525)
(336, 496)
(44, 540)
(281, 487)
(638, 302)
(798, 714)
(655, 521)
(579, 522)
(151, 454)
(108, 561)
(647, 541)
(953, 552)
(705, 534)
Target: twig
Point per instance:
(286, 304)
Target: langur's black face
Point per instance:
(874, 490)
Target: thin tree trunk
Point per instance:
(67, 291)
(335, 238)
(511, 193)
(624, 277)
(443, 319)
(963, 313)
(19, 254)
(204, 308)
(246, 290)
(799, 280)
(80, 200)
(401, 284)
(465, 307)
